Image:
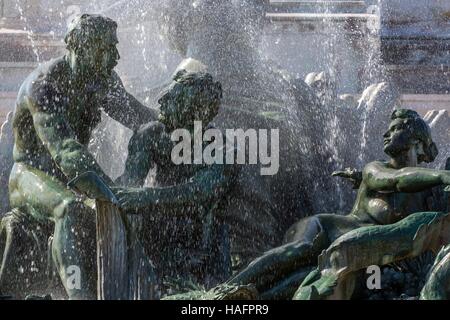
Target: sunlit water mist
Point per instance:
(150, 57)
(29, 31)
(319, 135)
(333, 69)
(155, 37)
(147, 62)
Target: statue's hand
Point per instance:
(130, 198)
(353, 175)
(347, 173)
(93, 186)
(342, 174)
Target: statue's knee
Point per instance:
(304, 230)
(77, 219)
(18, 230)
(140, 136)
(15, 220)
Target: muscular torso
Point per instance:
(382, 207)
(80, 108)
(243, 202)
(152, 148)
(177, 244)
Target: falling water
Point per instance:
(148, 62)
(332, 68)
(29, 31)
(372, 73)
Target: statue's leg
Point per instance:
(278, 273)
(305, 231)
(23, 246)
(280, 263)
(374, 245)
(333, 225)
(285, 289)
(73, 249)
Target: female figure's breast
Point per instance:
(387, 208)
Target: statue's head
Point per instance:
(92, 44)
(180, 19)
(408, 130)
(190, 97)
(322, 83)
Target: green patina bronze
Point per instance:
(182, 211)
(437, 286)
(58, 106)
(182, 216)
(185, 201)
(392, 220)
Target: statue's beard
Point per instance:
(100, 73)
(92, 73)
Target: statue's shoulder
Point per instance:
(46, 76)
(54, 68)
(377, 163)
(374, 167)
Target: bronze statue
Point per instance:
(391, 207)
(58, 106)
(183, 230)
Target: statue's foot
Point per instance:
(221, 292)
(232, 292)
(38, 297)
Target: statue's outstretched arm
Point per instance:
(126, 109)
(410, 179)
(353, 175)
(207, 185)
(56, 135)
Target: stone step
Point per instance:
(318, 6)
(337, 17)
(20, 45)
(12, 74)
(415, 51)
(349, 23)
(423, 103)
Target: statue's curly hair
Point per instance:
(87, 28)
(419, 130)
(201, 80)
(200, 85)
